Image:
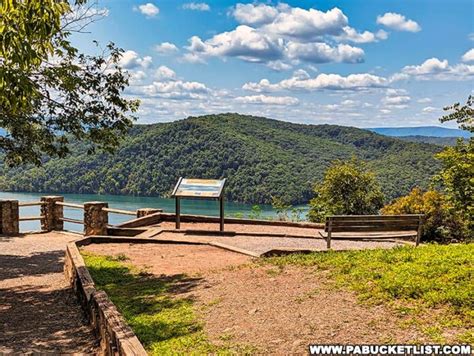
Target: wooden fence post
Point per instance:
(328, 238)
(419, 231)
(95, 219)
(9, 217)
(52, 213)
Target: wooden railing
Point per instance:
(30, 218)
(30, 203)
(95, 216)
(72, 206)
(119, 211)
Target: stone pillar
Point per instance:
(95, 219)
(52, 213)
(147, 211)
(9, 217)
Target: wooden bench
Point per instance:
(373, 227)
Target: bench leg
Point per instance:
(418, 234)
(328, 240)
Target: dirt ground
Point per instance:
(276, 310)
(38, 311)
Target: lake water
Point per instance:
(201, 207)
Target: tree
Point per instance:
(348, 188)
(50, 94)
(440, 222)
(457, 173)
(463, 115)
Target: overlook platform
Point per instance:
(44, 282)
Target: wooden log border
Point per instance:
(116, 337)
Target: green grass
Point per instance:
(165, 323)
(412, 280)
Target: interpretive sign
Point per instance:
(199, 189)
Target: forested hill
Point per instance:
(260, 157)
(442, 141)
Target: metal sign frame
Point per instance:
(220, 197)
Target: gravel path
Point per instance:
(38, 311)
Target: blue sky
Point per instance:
(360, 63)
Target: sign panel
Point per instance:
(199, 188)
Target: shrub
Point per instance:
(457, 178)
(348, 188)
(441, 223)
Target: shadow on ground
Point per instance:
(34, 320)
(159, 309)
(13, 266)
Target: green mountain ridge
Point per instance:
(260, 157)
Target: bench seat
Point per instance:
(365, 227)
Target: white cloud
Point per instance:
(301, 74)
(244, 42)
(166, 48)
(281, 36)
(435, 69)
(197, 6)
(396, 98)
(396, 92)
(424, 100)
(468, 56)
(254, 14)
(165, 73)
(270, 100)
(351, 34)
(398, 22)
(430, 66)
(307, 25)
(174, 89)
(252, 45)
(148, 9)
(320, 82)
(279, 66)
(130, 60)
(323, 53)
(193, 58)
(381, 35)
(429, 109)
(137, 76)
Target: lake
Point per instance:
(125, 202)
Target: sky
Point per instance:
(363, 63)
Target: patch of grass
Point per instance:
(273, 272)
(164, 322)
(412, 280)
